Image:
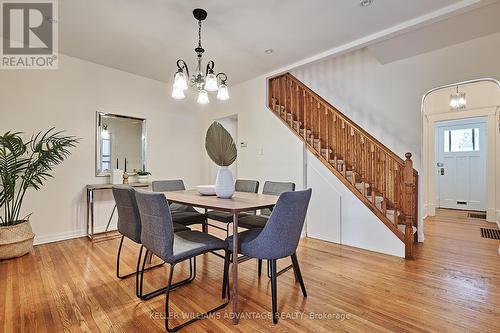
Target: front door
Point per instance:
(461, 164)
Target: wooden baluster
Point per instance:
(352, 157)
(280, 102)
(333, 136)
(362, 162)
(383, 181)
(306, 114)
(283, 93)
(295, 108)
(344, 146)
(396, 183)
(303, 114)
(372, 172)
(270, 94)
(327, 134)
(285, 88)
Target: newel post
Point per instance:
(408, 202)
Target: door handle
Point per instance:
(440, 165)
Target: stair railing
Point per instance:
(387, 181)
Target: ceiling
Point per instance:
(147, 37)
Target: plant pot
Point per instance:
(143, 179)
(224, 184)
(16, 240)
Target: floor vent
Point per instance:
(490, 233)
(477, 216)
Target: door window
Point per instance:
(461, 140)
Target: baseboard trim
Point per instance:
(62, 236)
(498, 220)
(58, 237)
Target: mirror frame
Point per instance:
(98, 131)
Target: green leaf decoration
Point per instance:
(25, 165)
(220, 145)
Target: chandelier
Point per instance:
(458, 101)
(202, 81)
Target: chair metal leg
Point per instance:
(199, 316)
(274, 291)
(298, 274)
(139, 258)
(279, 272)
(225, 277)
(259, 267)
(157, 292)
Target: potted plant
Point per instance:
(221, 149)
(143, 176)
(25, 165)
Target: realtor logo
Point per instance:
(29, 35)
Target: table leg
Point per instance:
(91, 200)
(205, 225)
(110, 218)
(235, 269)
(88, 213)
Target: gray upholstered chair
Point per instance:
(270, 188)
(259, 221)
(278, 239)
(158, 237)
(241, 185)
(129, 225)
(182, 214)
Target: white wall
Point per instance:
(337, 215)
(68, 99)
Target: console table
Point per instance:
(90, 207)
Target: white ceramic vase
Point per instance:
(224, 184)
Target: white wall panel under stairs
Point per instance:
(337, 215)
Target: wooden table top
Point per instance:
(240, 202)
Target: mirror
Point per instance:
(120, 143)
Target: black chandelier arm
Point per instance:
(181, 65)
(220, 75)
(210, 67)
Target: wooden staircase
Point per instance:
(385, 183)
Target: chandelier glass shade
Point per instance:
(458, 101)
(203, 81)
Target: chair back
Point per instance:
(275, 188)
(169, 186)
(157, 228)
(281, 234)
(250, 186)
(129, 221)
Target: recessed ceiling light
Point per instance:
(365, 3)
(268, 51)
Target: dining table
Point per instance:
(238, 203)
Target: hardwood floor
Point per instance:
(453, 285)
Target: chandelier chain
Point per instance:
(199, 33)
